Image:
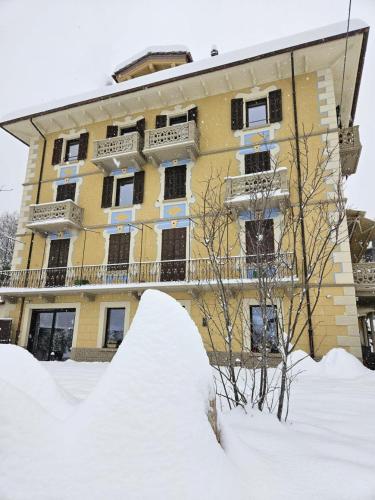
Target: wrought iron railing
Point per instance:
(56, 211)
(193, 270)
(267, 182)
(364, 275)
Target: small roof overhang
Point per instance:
(313, 50)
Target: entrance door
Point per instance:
(57, 262)
(51, 334)
(173, 248)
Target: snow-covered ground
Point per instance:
(136, 428)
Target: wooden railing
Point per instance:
(194, 270)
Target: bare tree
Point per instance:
(288, 276)
(8, 228)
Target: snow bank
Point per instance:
(339, 363)
(142, 433)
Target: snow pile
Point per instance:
(339, 363)
(142, 433)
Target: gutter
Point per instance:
(18, 329)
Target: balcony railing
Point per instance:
(56, 216)
(119, 152)
(172, 271)
(177, 142)
(268, 187)
(364, 276)
(350, 149)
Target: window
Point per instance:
(66, 192)
(257, 162)
(256, 112)
(114, 331)
(263, 328)
(174, 120)
(175, 182)
(124, 191)
(127, 130)
(71, 150)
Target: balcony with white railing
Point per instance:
(119, 152)
(176, 142)
(350, 149)
(54, 217)
(135, 276)
(268, 188)
(364, 278)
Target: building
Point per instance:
(113, 175)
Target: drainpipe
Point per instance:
(301, 215)
(32, 234)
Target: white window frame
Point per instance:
(114, 194)
(255, 125)
(104, 306)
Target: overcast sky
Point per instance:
(52, 49)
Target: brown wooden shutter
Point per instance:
(138, 190)
(58, 253)
(107, 191)
(66, 192)
(83, 145)
(119, 248)
(173, 248)
(57, 151)
(237, 114)
(112, 131)
(161, 121)
(175, 182)
(141, 125)
(257, 162)
(275, 103)
(193, 115)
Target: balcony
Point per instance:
(364, 277)
(350, 149)
(268, 188)
(142, 275)
(177, 142)
(54, 217)
(119, 152)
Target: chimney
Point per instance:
(214, 51)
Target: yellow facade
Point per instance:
(220, 149)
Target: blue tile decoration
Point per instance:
(175, 163)
(125, 170)
(60, 236)
(269, 213)
(254, 137)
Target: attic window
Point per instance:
(256, 112)
(71, 151)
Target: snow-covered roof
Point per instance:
(154, 49)
(220, 61)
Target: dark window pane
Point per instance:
(256, 112)
(257, 162)
(114, 327)
(127, 130)
(175, 182)
(174, 120)
(124, 191)
(71, 152)
(264, 328)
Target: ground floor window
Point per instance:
(264, 323)
(114, 330)
(51, 334)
